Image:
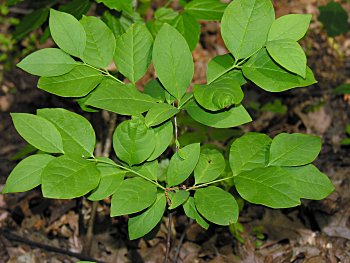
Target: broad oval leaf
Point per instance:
(163, 137)
(289, 55)
(205, 9)
(311, 183)
(160, 113)
(27, 174)
(218, 66)
(38, 131)
(100, 42)
(148, 169)
(133, 141)
(245, 26)
(269, 186)
(268, 75)
(292, 26)
(249, 152)
(78, 136)
(133, 52)
(140, 225)
(120, 98)
(48, 62)
(223, 119)
(182, 164)
(179, 198)
(216, 205)
(191, 211)
(132, 196)
(67, 33)
(210, 165)
(76, 83)
(294, 149)
(68, 177)
(173, 61)
(188, 26)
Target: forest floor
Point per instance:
(317, 231)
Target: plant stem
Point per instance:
(105, 72)
(209, 183)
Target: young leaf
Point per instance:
(269, 186)
(76, 83)
(182, 164)
(163, 137)
(133, 141)
(27, 174)
(67, 177)
(289, 55)
(120, 98)
(189, 28)
(148, 169)
(210, 165)
(160, 113)
(132, 196)
(218, 66)
(100, 42)
(216, 205)
(292, 27)
(335, 19)
(294, 149)
(134, 51)
(173, 61)
(205, 9)
(249, 152)
(245, 25)
(179, 198)
(78, 136)
(218, 95)
(311, 183)
(111, 178)
(67, 33)
(235, 116)
(268, 75)
(140, 225)
(48, 62)
(38, 131)
(191, 211)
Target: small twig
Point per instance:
(182, 238)
(108, 143)
(168, 241)
(90, 231)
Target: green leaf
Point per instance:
(100, 42)
(78, 136)
(163, 137)
(205, 9)
(154, 89)
(179, 198)
(67, 33)
(38, 131)
(120, 5)
(191, 211)
(182, 164)
(335, 19)
(311, 183)
(289, 55)
(148, 169)
(76, 83)
(120, 98)
(68, 177)
(133, 52)
(210, 165)
(111, 178)
(48, 62)
(160, 113)
(249, 152)
(218, 95)
(268, 75)
(113, 23)
(140, 225)
(77, 8)
(173, 61)
(132, 196)
(164, 14)
(27, 174)
(245, 26)
(342, 89)
(294, 149)
(189, 28)
(216, 205)
(133, 141)
(269, 186)
(235, 116)
(292, 26)
(218, 65)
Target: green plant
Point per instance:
(273, 172)
(334, 18)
